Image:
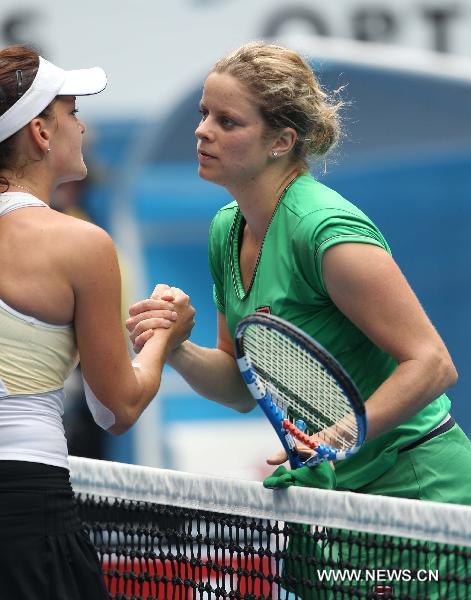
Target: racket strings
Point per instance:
(301, 386)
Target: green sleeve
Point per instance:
(216, 248)
(321, 230)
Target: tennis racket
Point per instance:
(302, 389)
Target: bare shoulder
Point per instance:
(78, 228)
(80, 234)
(84, 247)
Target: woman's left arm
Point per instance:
(368, 287)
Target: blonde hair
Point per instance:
(288, 95)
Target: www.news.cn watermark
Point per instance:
(376, 575)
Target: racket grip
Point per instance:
(298, 434)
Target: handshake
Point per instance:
(168, 309)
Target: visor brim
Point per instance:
(83, 82)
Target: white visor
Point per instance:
(50, 81)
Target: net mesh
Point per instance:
(171, 535)
(301, 386)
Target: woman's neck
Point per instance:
(29, 185)
(258, 200)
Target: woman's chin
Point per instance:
(81, 172)
(203, 173)
(207, 176)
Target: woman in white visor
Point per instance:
(59, 299)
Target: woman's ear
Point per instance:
(39, 131)
(284, 142)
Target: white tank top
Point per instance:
(35, 359)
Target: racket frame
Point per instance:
(274, 413)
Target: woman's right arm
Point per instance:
(211, 372)
(106, 367)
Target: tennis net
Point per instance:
(165, 535)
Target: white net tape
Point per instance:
(417, 519)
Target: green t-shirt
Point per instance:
(288, 282)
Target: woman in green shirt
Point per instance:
(294, 247)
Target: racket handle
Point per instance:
(298, 434)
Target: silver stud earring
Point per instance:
(48, 150)
(274, 154)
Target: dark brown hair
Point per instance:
(12, 87)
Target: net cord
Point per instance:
(423, 520)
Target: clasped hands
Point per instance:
(168, 307)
